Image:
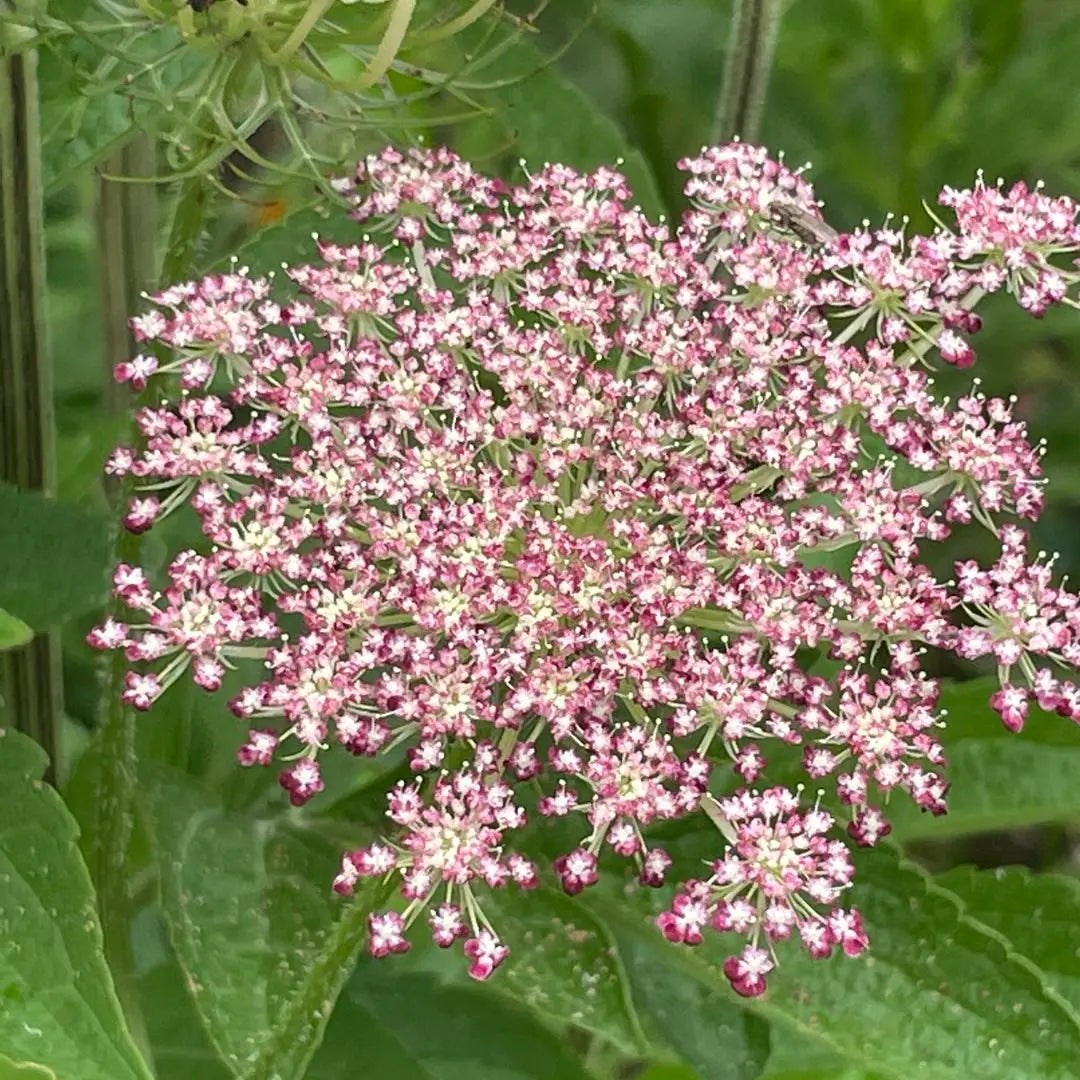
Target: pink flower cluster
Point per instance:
(571, 509)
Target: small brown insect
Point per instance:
(809, 229)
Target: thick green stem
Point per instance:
(754, 26)
(31, 676)
(117, 776)
(126, 256)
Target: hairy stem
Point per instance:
(754, 27)
(117, 775)
(31, 675)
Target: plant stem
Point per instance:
(188, 218)
(125, 252)
(31, 675)
(117, 775)
(754, 26)
(125, 249)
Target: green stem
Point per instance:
(300, 1026)
(117, 776)
(189, 217)
(126, 252)
(31, 675)
(754, 27)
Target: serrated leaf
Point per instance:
(937, 996)
(58, 1008)
(1038, 913)
(998, 779)
(412, 1028)
(13, 632)
(54, 558)
(563, 962)
(265, 944)
(709, 1031)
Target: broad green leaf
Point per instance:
(720, 1039)
(668, 1071)
(263, 941)
(1038, 913)
(998, 779)
(555, 121)
(13, 632)
(659, 73)
(795, 1057)
(290, 239)
(563, 962)
(937, 996)
(23, 1070)
(53, 558)
(398, 1026)
(81, 455)
(177, 1038)
(58, 1008)
(839, 1072)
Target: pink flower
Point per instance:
(746, 972)
(577, 870)
(537, 491)
(386, 934)
(301, 780)
(486, 953)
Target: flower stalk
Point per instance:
(31, 675)
(754, 28)
(117, 779)
(125, 250)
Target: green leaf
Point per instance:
(97, 89)
(265, 944)
(1038, 913)
(937, 996)
(57, 1003)
(77, 128)
(795, 1057)
(54, 558)
(667, 1071)
(409, 1027)
(709, 1031)
(998, 779)
(554, 121)
(563, 963)
(23, 1070)
(177, 1038)
(13, 632)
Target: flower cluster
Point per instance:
(586, 516)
